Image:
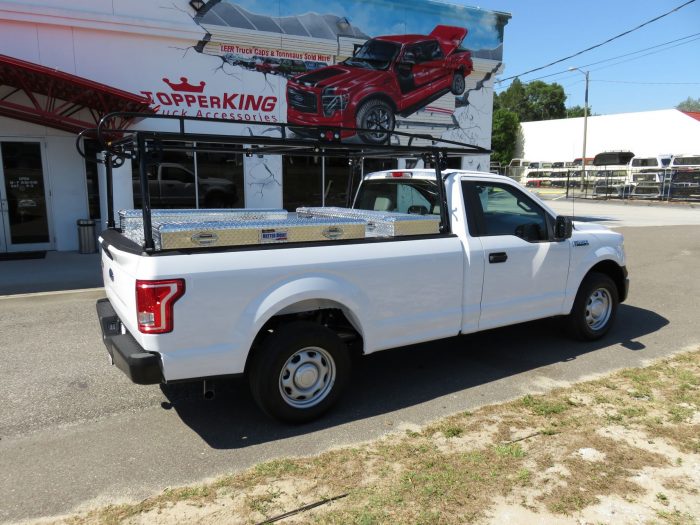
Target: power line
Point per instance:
(642, 56)
(601, 43)
(647, 83)
(620, 56)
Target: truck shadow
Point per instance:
(392, 380)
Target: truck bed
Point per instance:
(232, 292)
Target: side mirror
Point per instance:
(563, 227)
(408, 58)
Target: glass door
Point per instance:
(23, 198)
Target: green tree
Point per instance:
(689, 104)
(577, 111)
(534, 101)
(506, 127)
(512, 99)
(545, 101)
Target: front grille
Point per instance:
(302, 100)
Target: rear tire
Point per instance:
(299, 372)
(595, 308)
(458, 83)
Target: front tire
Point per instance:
(595, 308)
(299, 372)
(378, 116)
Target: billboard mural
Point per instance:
(375, 65)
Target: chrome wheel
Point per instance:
(598, 309)
(378, 119)
(307, 377)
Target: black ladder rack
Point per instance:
(179, 133)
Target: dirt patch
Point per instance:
(621, 449)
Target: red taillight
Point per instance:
(154, 304)
(400, 174)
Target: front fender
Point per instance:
(581, 268)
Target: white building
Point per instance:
(647, 133)
(66, 63)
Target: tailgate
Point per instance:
(119, 270)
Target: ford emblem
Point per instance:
(111, 275)
(205, 238)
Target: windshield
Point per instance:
(374, 54)
(399, 195)
(686, 161)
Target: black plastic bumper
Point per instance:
(141, 367)
(627, 285)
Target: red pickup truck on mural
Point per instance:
(385, 77)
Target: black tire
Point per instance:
(458, 83)
(318, 349)
(375, 114)
(595, 308)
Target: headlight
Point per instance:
(333, 99)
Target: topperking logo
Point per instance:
(186, 99)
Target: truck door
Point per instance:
(525, 270)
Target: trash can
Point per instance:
(86, 236)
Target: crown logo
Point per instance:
(185, 86)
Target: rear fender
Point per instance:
(313, 292)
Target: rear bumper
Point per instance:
(143, 368)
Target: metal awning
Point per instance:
(48, 97)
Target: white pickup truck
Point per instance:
(288, 316)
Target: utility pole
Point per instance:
(585, 126)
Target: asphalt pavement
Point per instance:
(75, 433)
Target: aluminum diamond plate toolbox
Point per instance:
(129, 219)
(131, 223)
(248, 232)
(381, 223)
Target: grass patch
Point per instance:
(543, 406)
(451, 432)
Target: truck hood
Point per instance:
(604, 235)
(450, 37)
(340, 76)
(591, 227)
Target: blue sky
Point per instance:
(541, 31)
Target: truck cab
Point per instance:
(521, 260)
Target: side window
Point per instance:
(500, 209)
(432, 51)
(411, 201)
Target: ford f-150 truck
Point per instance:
(289, 316)
(386, 76)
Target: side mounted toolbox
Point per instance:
(381, 223)
(181, 229)
(239, 233)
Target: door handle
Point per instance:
(498, 257)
